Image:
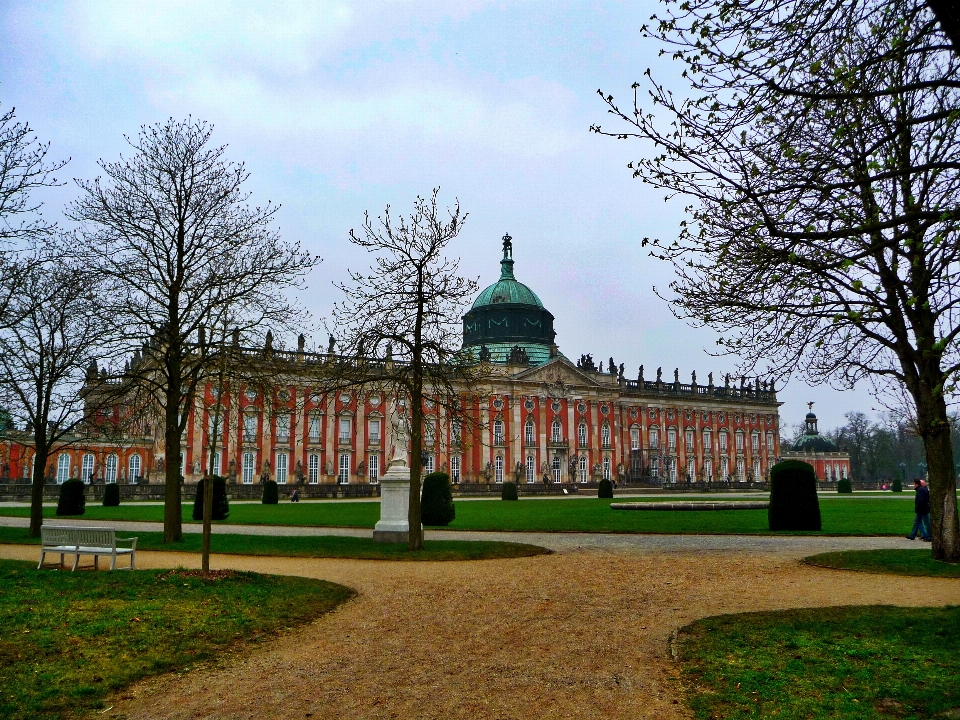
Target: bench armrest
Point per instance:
(132, 541)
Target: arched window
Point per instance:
(708, 470)
(556, 468)
(605, 435)
(756, 471)
(582, 434)
(455, 469)
(133, 468)
(740, 476)
(498, 468)
(110, 469)
(249, 428)
(86, 468)
(556, 431)
(498, 433)
(313, 469)
(724, 468)
(634, 438)
(373, 468)
(582, 467)
(691, 470)
(343, 476)
(63, 468)
(531, 469)
(281, 468)
(529, 438)
(606, 468)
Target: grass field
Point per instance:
(69, 639)
(894, 562)
(848, 515)
(843, 663)
(324, 546)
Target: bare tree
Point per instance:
(820, 155)
(407, 308)
(172, 229)
(45, 354)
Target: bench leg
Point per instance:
(96, 562)
(113, 561)
(42, 556)
(132, 562)
(61, 559)
(76, 561)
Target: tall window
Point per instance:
(689, 439)
(770, 443)
(691, 470)
(556, 431)
(673, 469)
(724, 468)
(843, 472)
(63, 468)
(313, 468)
(313, 428)
(281, 468)
(740, 476)
(672, 439)
(214, 425)
(582, 434)
(634, 438)
(283, 428)
(430, 434)
(655, 467)
(374, 432)
(654, 437)
(110, 469)
(605, 435)
(606, 468)
(528, 433)
(498, 468)
(498, 432)
(707, 441)
(343, 476)
(723, 443)
(582, 467)
(708, 470)
(756, 471)
(344, 437)
(531, 469)
(739, 442)
(428, 462)
(756, 442)
(373, 468)
(248, 467)
(556, 469)
(215, 470)
(455, 432)
(455, 469)
(133, 468)
(86, 468)
(249, 428)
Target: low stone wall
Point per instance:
(21, 492)
(691, 506)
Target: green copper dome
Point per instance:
(507, 289)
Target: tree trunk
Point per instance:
(416, 467)
(172, 512)
(40, 457)
(207, 522)
(941, 477)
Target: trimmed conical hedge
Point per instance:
(605, 489)
(793, 497)
(111, 495)
(221, 505)
(508, 491)
(271, 496)
(436, 503)
(72, 500)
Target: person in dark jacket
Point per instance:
(921, 508)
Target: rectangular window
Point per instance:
(531, 469)
(556, 431)
(708, 470)
(691, 470)
(214, 426)
(374, 432)
(605, 436)
(498, 432)
(428, 462)
(770, 442)
(724, 468)
(344, 431)
(606, 468)
(689, 439)
(374, 468)
(723, 443)
(707, 441)
(756, 442)
(281, 468)
(529, 437)
(313, 430)
(429, 435)
(583, 469)
(655, 467)
(672, 439)
(498, 468)
(455, 432)
(216, 464)
(756, 471)
(249, 428)
(343, 476)
(63, 468)
(654, 438)
(313, 469)
(455, 469)
(739, 442)
(582, 434)
(635, 438)
(248, 467)
(740, 476)
(283, 428)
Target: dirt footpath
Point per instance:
(578, 634)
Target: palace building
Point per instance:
(535, 417)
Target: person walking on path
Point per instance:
(921, 507)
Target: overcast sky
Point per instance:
(342, 107)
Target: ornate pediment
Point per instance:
(559, 372)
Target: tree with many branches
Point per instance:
(819, 151)
(407, 310)
(172, 230)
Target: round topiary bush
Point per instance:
(508, 491)
(270, 494)
(111, 495)
(897, 485)
(436, 503)
(844, 486)
(793, 497)
(72, 500)
(221, 505)
(605, 489)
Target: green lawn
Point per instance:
(69, 639)
(841, 516)
(843, 663)
(895, 562)
(323, 546)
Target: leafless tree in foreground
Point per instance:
(821, 157)
(172, 229)
(407, 308)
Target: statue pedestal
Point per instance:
(394, 526)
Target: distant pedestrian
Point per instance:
(921, 509)
(295, 497)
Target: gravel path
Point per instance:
(582, 633)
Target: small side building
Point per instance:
(829, 462)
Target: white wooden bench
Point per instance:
(77, 541)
